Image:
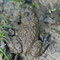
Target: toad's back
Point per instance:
(28, 30)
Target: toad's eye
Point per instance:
(26, 13)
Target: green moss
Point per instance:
(3, 34)
(36, 5)
(52, 10)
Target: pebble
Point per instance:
(11, 8)
(49, 20)
(11, 32)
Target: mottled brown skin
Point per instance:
(28, 31)
(36, 49)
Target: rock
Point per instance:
(11, 32)
(11, 8)
(49, 20)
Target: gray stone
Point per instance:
(49, 20)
